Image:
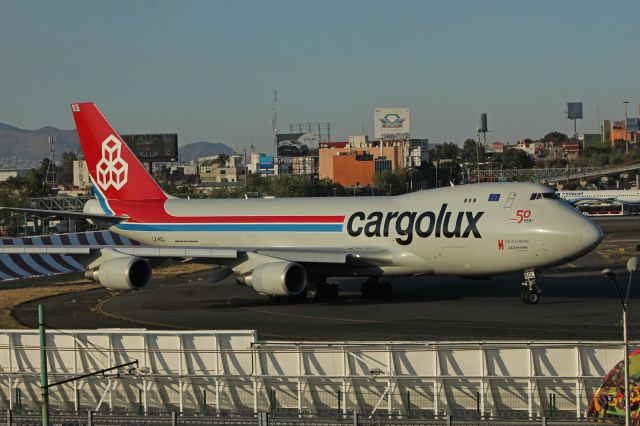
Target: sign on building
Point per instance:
(392, 123)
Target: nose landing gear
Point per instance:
(530, 294)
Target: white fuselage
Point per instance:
(471, 230)
(631, 196)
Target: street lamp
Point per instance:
(633, 264)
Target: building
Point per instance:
(606, 131)
(620, 132)
(571, 150)
(304, 165)
(498, 147)
(327, 169)
(81, 177)
(416, 152)
(532, 148)
(211, 171)
(591, 139)
(357, 168)
(12, 173)
(366, 156)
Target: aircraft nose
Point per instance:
(591, 235)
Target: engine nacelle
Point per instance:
(278, 279)
(122, 273)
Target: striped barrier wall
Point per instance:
(13, 266)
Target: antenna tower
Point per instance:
(274, 123)
(50, 177)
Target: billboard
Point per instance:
(574, 110)
(153, 147)
(265, 165)
(297, 144)
(392, 123)
(633, 125)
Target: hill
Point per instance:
(24, 149)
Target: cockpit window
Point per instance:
(540, 195)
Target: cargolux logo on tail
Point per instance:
(111, 170)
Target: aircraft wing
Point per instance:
(63, 213)
(355, 255)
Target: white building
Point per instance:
(81, 178)
(416, 151)
(13, 173)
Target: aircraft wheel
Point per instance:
(367, 289)
(531, 297)
(332, 291)
(300, 297)
(523, 294)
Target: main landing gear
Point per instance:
(373, 288)
(530, 294)
(324, 291)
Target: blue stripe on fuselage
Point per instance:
(226, 227)
(101, 200)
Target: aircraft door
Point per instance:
(510, 199)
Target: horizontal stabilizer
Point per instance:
(47, 249)
(63, 213)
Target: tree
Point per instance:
(515, 158)
(65, 172)
(222, 159)
(35, 184)
(472, 151)
(555, 137)
(391, 183)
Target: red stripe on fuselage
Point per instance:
(154, 212)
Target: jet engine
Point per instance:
(122, 273)
(277, 279)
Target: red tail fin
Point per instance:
(115, 171)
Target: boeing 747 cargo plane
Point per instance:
(289, 247)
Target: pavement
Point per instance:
(576, 304)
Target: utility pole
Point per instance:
(44, 380)
(274, 125)
(626, 133)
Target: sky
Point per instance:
(207, 70)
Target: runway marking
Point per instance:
(100, 310)
(285, 314)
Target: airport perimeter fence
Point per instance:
(288, 400)
(231, 375)
(90, 418)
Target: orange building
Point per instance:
(327, 169)
(353, 170)
(357, 168)
(620, 133)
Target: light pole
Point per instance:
(633, 264)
